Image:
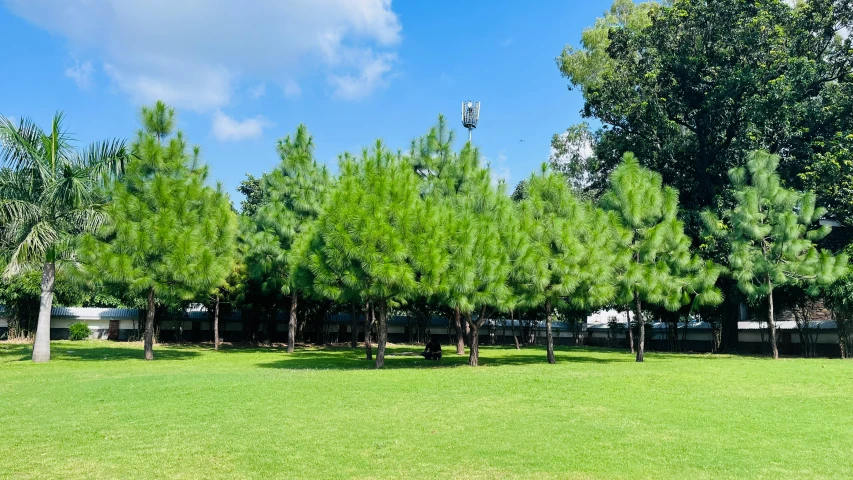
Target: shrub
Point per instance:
(79, 331)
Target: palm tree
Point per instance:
(50, 193)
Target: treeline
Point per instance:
(735, 113)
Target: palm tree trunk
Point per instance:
(641, 342)
(383, 334)
(216, 325)
(460, 339)
(548, 334)
(41, 346)
(291, 324)
(771, 321)
(149, 327)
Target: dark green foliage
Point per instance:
(691, 85)
(252, 188)
(572, 155)
(78, 331)
(770, 236)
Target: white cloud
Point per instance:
(500, 171)
(81, 73)
(193, 53)
(258, 91)
(198, 87)
(292, 89)
(369, 73)
(227, 129)
(499, 168)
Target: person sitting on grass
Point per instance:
(432, 350)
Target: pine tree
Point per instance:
(769, 235)
(292, 198)
(479, 222)
(50, 194)
(479, 218)
(656, 264)
(376, 239)
(567, 255)
(170, 235)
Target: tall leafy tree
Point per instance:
(376, 239)
(292, 197)
(170, 234)
(690, 86)
(50, 194)
(568, 253)
(770, 236)
(657, 265)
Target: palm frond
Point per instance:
(107, 160)
(32, 249)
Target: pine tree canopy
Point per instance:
(770, 232)
(377, 238)
(479, 221)
(567, 254)
(292, 198)
(167, 230)
(656, 262)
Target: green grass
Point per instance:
(98, 411)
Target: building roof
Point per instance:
(788, 325)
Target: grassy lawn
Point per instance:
(98, 411)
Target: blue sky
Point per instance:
(351, 70)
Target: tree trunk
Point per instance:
(382, 328)
(291, 323)
(368, 325)
(460, 338)
(771, 322)
(512, 327)
(548, 334)
(474, 349)
(466, 327)
(149, 327)
(353, 338)
(41, 346)
(641, 341)
(216, 325)
(630, 329)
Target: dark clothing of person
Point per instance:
(432, 350)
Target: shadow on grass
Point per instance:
(401, 357)
(86, 352)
